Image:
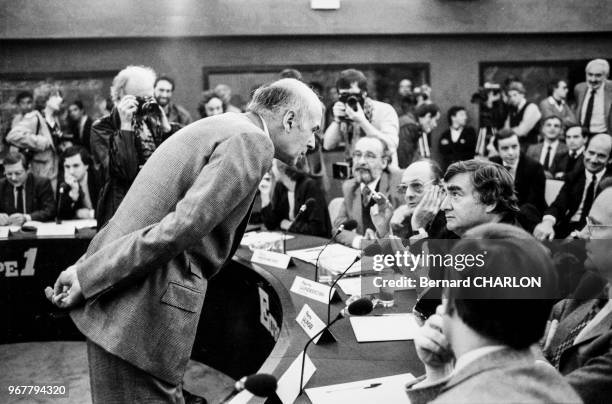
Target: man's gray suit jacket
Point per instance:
(145, 273)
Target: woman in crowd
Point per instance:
(293, 188)
(210, 104)
(38, 135)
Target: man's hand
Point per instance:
(381, 214)
(4, 219)
(126, 108)
(356, 116)
(17, 219)
(428, 208)
(544, 230)
(285, 224)
(74, 186)
(339, 110)
(433, 348)
(369, 234)
(84, 213)
(66, 293)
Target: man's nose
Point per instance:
(445, 203)
(312, 142)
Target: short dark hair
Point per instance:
(452, 112)
(512, 316)
(491, 181)
(350, 76)
(553, 84)
(22, 95)
(164, 78)
(14, 158)
(80, 150)
(424, 109)
(505, 133)
(206, 97)
(78, 103)
(583, 132)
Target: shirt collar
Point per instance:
(265, 127)
(475, 354)
(598, 175)
(579, 151)
(372, 185)
(554, 143)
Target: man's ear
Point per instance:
(289, 120)
(490, 208)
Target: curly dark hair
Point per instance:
(206, 97)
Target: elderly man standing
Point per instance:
(138, 292)
(594, 98)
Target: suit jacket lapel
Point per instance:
(356, 207)
(384, 184)
(603, 326)
(569, 322)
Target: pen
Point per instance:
(369, 386)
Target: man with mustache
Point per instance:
(371, 174)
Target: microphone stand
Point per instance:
(340, 228)
(58, 220)
(331, 288)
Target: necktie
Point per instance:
(547, 158)
(19, 204)
(573, 155)
(555, 357)
(366, 196)
(588, 199)
(586, 123)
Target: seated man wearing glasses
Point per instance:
(371, 173)
(422, 189)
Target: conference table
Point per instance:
(248, 323)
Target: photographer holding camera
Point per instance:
(356, 115)
(124, 140)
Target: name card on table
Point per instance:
(289, 383)
(312, 324)
(312, 290)
(271, 258)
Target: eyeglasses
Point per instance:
(369, 156)
(417, 187)
(595, 228)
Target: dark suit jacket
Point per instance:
(504, 376)
(587, 364)
(568, 200)
(464, 149)
(67, 207)
(40, 203)
(529, 183)
(535, 150)
(351, 208)
(144, 275)
(84, 139)
(580, 92)
(565, 164)
(314, 221)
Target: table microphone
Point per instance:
(359, 307)
(331, 288)
(261, 385)
(307, 205)
(331, 240)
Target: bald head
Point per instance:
(417, 178)
(597, 153)
(293, 114)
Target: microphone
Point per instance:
(350, 225)
(331, 288)
(359, 307)
(261, 385)
(307, 205)
(331, 240)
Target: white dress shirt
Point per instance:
(553, 151)
(589, 178)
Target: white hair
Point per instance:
(121, 79)
(599, 62)
(282, 95)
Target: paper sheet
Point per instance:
(4, 231)
(289, 383)
(387, 390)
(386, 327)
(82, 223)
(334, 259)
(52, 229)
(358, 286)
(262, 239)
